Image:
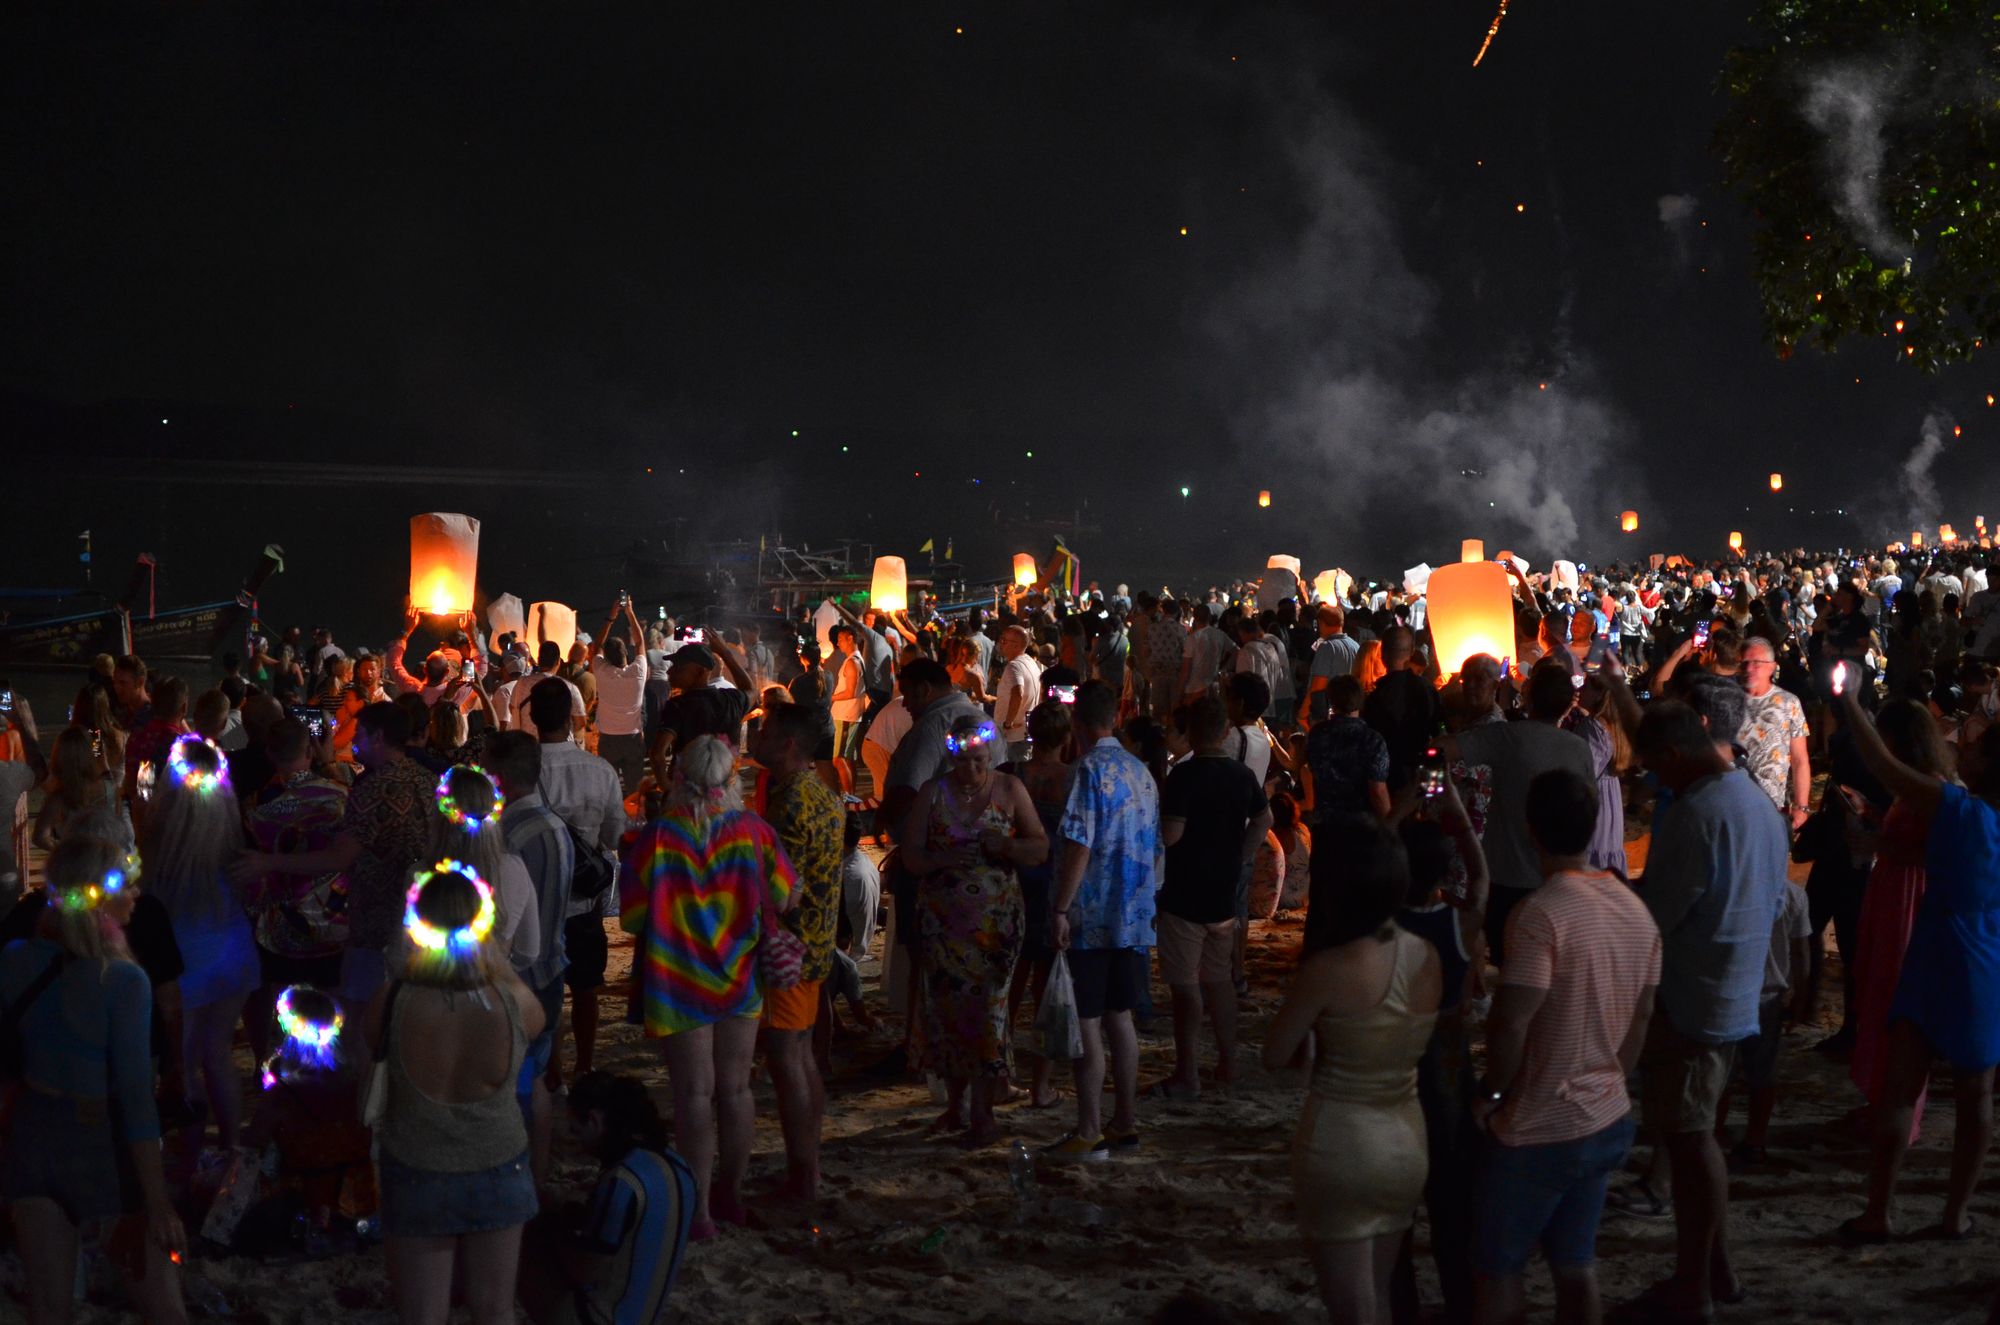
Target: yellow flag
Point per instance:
(926, 547)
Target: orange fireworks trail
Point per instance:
(1491, 33)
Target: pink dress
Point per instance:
(1888, 909)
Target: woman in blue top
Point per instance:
(193, 832)
(1947, 1004)
(83, 1144)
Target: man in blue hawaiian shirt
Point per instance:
(1106, 876)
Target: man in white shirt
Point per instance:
(1019, 690)
(881, 739)
(1203, 656)
(582, 789)
(621, 700)
(515, 668)
(548, 661)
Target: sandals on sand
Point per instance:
(1639, 1200)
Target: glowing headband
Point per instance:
(308, 1035)
(197, 779)
(958, 745)
(457, 817)
(466, 937)
(114, 882)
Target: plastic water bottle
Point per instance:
(1021, 1173)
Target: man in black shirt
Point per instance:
(703, 704)
(1403, 706)
(1213, 817)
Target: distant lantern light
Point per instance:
(1917, 538)
(1957, 430)
(1263, 496)
(1471, 610)
(1777, 482)
(1629, 522)
(1184, 491)
(1024, 570)
(1472, 549)
(1183, 230)
(1978, 522)
(1899, 325)
(1735, 541)
(795, 432)
(444, 562)
(1946, 534)
(889, 591)
(1520, 207)
(1031, 455)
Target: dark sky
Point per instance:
(585, 240)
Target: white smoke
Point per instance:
(1920, 490)
(1330, 337)
(1849, 103)
(1677, 217)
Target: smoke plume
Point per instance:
(1329, 340)
(1849, 103)
(1920, 490)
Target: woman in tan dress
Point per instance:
(1358, 1015)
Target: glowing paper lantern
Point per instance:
(1946, 534)
(1472, 549)
(444, 562)
(1281, 581)
(1777, 482)
(1326, 586)
(1735, 541)
(552, 623)
(825, 618)
(1519, 563)
(1471, 611)
(1917, 538)
(1417, 578)
(1025, 573)
(1563, 573)
(1629, 522)
(1264, 497)
(1280, 561)
(890, 589)
(1978, 522)
(505, 615)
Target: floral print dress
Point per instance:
(970, 923)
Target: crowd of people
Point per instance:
(1043, 802)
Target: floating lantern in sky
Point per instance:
(1946, 534)
(1263, 496)
(1184, 491)
(1326, 586)
(1184, 230)
(1735, 541)
(1471, 611)
(1989, 400)
(1629, 522)
(1520, 206)
(505, 615)
(890, 589)
(1472, 549)
(1777, 482)
(1917, 538)
(552, 623)
(1978, 522)
(1024, 569)
(1899, 326)
(444, 562)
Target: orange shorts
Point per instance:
(794, 1009)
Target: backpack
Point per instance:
(591, 875)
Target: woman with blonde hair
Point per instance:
(457, 1186)
(467, 828)
(82, 794)
(83, 1143)
(194, 832)
(699, 886)
(1368, 665)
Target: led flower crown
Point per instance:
(314, 1035)
(958, 745)
(115, 881)
(194, 779)
(449, 808)
(449, 942)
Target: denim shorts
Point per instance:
(1549, 1196)
(420, 1203)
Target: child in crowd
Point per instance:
(308, 1112)
(614, 1260)
(1787, 997)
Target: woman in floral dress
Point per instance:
(967, 835)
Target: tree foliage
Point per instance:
(1847, 245)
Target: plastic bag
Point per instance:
(1056, 1019)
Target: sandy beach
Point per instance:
(914, 1229)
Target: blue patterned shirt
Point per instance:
(1114, 809)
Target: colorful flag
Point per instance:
(1064, 571)
(947, 549)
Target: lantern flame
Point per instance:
(1264, 497)
(1024, 570)
(1777, 482)
(1735, 541)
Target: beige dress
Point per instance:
(1359, 1157)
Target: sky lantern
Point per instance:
(1472, 549)
(1326, 586)
(1735, 540)
(1917, 538)
(1777, 482)
(506, 615)
(552, 623)
(1282, 577)
(1978, 522)
(1264, 497)
(1946, 534)
(1471, 611)
(1629, 522)
(444, 562)
(889, 591)
(1024, 569)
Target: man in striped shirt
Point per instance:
(1576, 994)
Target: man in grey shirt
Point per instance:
(1518, 753)
(1714, 883)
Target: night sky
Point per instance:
(580, 241)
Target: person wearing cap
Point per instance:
(703, 703)
(514, 667)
